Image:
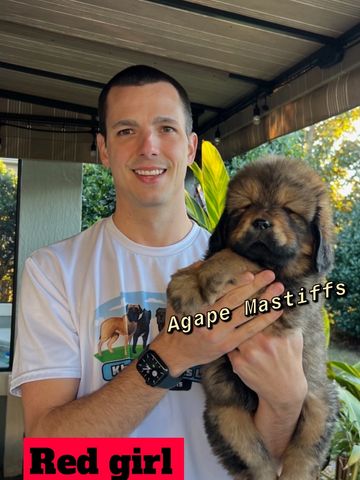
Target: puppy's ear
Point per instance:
(323, 251)
(218, 238)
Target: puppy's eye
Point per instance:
(242, 208)
(288, 210)
(295, 215)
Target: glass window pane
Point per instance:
(8, 215)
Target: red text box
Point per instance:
(104, 458)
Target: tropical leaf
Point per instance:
(354, 457)
(213, 179)
(353, 370)
(351, 405)
(196, 212)
(195, 168)
(348, 376)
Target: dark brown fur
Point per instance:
(296, 240)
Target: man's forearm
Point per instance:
(276, 427)
(115, 410)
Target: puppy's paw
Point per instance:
(191, 288)
(184, 292)
(212, 283)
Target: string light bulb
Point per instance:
(256, 115)
(265, 107)
(217, 138)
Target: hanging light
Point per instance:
(265, 107)
(256, 115)
(217, 138)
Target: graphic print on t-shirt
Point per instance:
(126, 324)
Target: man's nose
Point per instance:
(149, 144)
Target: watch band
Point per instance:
(155, 371)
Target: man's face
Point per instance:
(146, 145)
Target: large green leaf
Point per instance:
(351, 405)
(348, 376)
(197, 172)
(354, 456)
(196, 212)
(353, 370)
(213, 179)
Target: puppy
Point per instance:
(277, 216)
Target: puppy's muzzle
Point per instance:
(261, 224)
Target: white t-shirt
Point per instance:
(69, 289)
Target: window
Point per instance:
(9, 172)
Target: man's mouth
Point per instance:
(150, 173)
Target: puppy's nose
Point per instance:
(261, 224)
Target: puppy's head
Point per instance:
(278, 215)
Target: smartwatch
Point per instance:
(155, 371)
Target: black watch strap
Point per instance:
(155, 371)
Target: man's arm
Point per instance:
(51, 408)
(115, 410)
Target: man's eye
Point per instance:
(168, 129)
(124, 132)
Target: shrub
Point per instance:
(8, 187)
(98, 194)
(346, 310)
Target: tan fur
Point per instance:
(112, 328)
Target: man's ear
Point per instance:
(103, 153)
(192, 146)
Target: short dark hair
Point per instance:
(139, 75)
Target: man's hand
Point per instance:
(272, 367)
(181, 351)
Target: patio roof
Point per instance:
(289, 55)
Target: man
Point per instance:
(89, 292)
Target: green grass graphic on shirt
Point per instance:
(118, 354)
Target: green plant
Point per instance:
(345, 446)
(347, 376)
(213, 179)
(346, 309)
(8, 187)
(98, 194)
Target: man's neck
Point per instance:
(153, 228)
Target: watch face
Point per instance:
(151, 368)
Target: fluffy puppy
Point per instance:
(277, 216)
